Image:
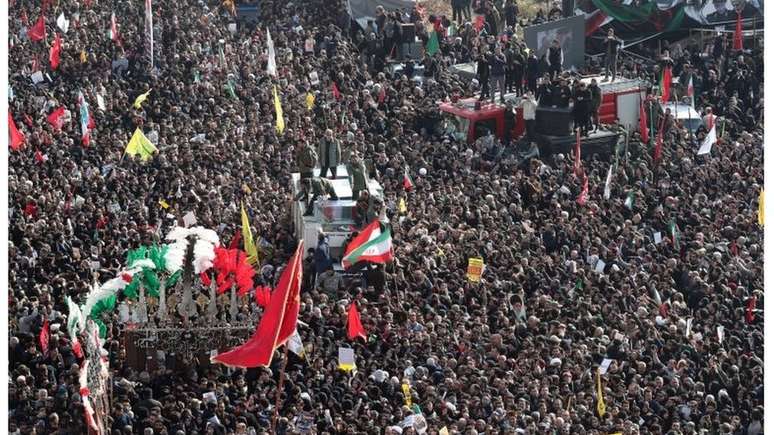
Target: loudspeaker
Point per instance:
(408, 33)
(552, 121)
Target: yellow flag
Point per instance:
(402, 209)
(600, 398)
(407, 393)
(278, 109)
(163, 204)
(760, 208)
(139, 144)
(309, 101)
(443, 431)
(141, 99)
(247, 235)
(83, 56)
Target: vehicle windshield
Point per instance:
(456, 126)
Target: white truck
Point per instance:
(332, 217)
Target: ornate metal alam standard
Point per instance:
(189, 320)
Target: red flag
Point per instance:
(114, 28)
(206, 280)
(584, 195)
(55, 118)
(17, 138)
(738, 33)
(44, 337)
(577, 165)
(354, 327)
(336, 93)
(734, 249)
(643, 124)
(277, 324)
(53, 54)
(750, 315)
(39, 157)
(663, 309)
(38, 31)
(234, 244)
(479, 24)
(262, 296)
(382, 94)
(77, 350)
(666, 84)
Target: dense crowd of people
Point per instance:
(664, 278)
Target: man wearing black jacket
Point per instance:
(532, 71)
(612, 45)
(482, 70)
(555, 57)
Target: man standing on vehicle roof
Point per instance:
(596, 102)
(482, 70)
(555, 58)
(612, 45)
(532, 70)
(306, 161)
(330, 154)
(497, 63)
(515, 69)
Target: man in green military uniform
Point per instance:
(318, 187)
(358, 176)
(330, 154)
(306, 159)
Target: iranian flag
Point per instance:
(373, 245)
(689, 91)
(408, 183)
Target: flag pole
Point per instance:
(278, 399)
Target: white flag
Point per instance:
(271, 67)
(63, 23)
(295, 344)
(149, 30)
(710, 140)
(100, 102)
(607, 182)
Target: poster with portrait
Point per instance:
(570, 32)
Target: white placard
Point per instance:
(314, 78)
(37, 77)
(232, 27)
(721, 333)
(189, 219)
(346, 357)
(600, 267)
(657, 237)
(604, 366)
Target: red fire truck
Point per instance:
(470, 119)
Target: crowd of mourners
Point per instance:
(664, 278)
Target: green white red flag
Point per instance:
(373, 245)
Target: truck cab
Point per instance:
(471, 119)
(332, 217)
